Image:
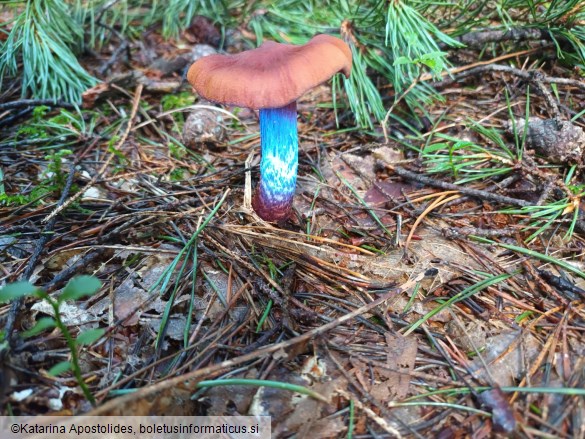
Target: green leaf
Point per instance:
(60, 368)
(41, 325)
(402, 60)
(17, 290)
(79, 287)
(89, 336)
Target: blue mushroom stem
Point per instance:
(278, 167)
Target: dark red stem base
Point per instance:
(270, 211)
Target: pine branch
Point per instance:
(40, 51)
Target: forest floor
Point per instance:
(430, 282)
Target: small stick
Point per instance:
(524, 74)
(454, 187)
(36, 103)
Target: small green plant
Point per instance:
(173, 102)
(176, 149)
(54, 131)
(39, 113)
(178, 174)
(51, 180)
(55, 173)
(35, 195)
(76, 288)
(73, 124)
(31, 130)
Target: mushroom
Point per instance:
(270, 79)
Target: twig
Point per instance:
(454, 187)
(28, 142)
(123, 46)
(74, 268)
(478, 39)
(524, 74)
(36, 103)
(458, 232)
(537, 78)
(19, 114)
(104, 9)
(115, 55)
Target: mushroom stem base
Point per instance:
(278, 167)
(270, 211)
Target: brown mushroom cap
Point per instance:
(271, 76)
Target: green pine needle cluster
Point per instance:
(393, 42)
(390, 42)
(41, 49)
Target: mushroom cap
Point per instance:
(271, 76)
